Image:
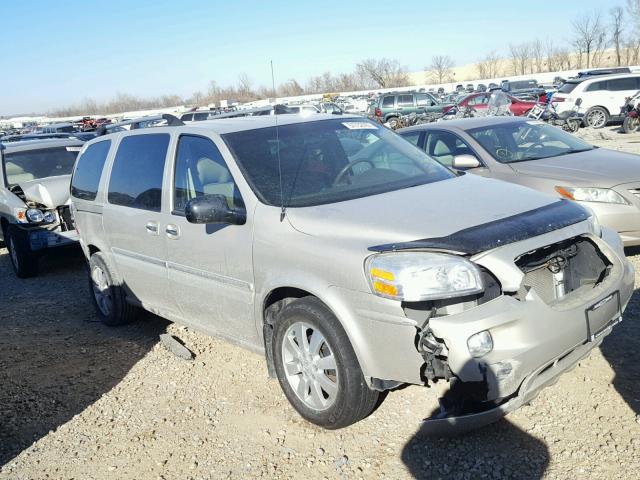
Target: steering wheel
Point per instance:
(348, 167)
(504, 153)
(531, 147)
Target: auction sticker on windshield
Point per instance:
(359, 126)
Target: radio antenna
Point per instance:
(283, 209)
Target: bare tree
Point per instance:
(617, 17)
(440, 70)
(382, 73)
(590, 36)
(489, 66)
(520, 57)
(537, 56)
(290, 88)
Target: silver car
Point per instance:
(537, 155)
(35, 214)
(350, 259)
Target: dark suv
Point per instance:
(391, 105)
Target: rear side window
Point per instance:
(596, 86)
(86, 177)
(388, 101)
(136, 175)
(405, 100)
(567, 87)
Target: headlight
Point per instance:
(592, 194)
(34, 215)
(49, 216)
(419, 276)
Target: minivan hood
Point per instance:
(599, 167)
(427, 211)
(50, 192)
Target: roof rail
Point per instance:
(137, 123)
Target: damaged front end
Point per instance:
(46, 219)
(534, 318)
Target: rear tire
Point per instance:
(630, 124)
(23, 260)
(573, 125)
(596, 117)
(317, 367)
(109, 297)
(393, 122)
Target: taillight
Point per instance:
(378, 112)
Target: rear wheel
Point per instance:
(109, 297)
(573, 125)
(596, 117)
(317, 367)
(23, 260)
(630, 124)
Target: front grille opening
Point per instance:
(557, 270)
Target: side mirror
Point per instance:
(578, 102)
(465, 161)
(213, 209)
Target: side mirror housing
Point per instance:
(578, 102)
(213, 209)
(465, 161)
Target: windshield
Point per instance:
(329, 161)
(522, 141)
(30, 165)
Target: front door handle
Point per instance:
(152, 228)
(172, 231)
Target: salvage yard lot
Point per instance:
(81, 400)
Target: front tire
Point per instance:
(596, 117)
(23, 260)
(394, 123)
(109, 297)
(573, 125)
(317, 367)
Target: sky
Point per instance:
(55, 54)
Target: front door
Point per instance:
(132, 219)
(210, 266)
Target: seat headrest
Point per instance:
(441, 148)
(210, 171)
(13, 169)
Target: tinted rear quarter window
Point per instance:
(388, 101)
(136, 175)
(89, 166)
(567, 87)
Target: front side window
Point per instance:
(524, 141)
(621, 84)
(86, 177)
(201, 170)
(424, 100)
(328, 161)
(444, 146)
(31, 165)
(136, 175)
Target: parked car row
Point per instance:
(354, 261)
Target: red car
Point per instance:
(479, 102)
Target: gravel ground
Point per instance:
(80, 400)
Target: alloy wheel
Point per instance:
(310, 366)
(101, 290)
